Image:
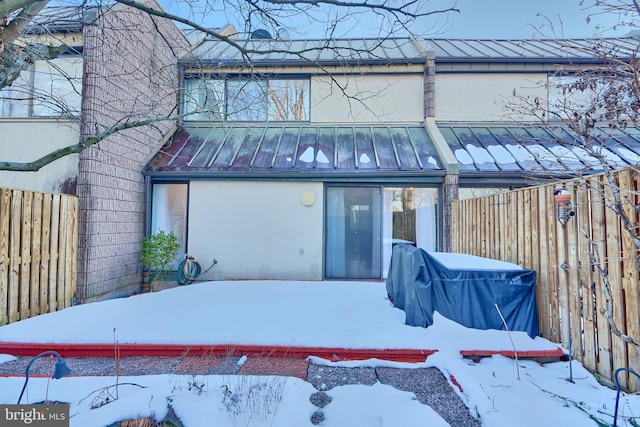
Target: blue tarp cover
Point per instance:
(419, 283)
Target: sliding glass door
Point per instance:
(353, 239)
(364, 222)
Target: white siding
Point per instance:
(475, 97)
(28, 139)
(371, 99)
(257, 230)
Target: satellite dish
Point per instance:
(261, 34)
(283, 34)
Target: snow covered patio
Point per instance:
(334, 320)
(345, 319)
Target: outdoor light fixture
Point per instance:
(61, 369)
(564, 210)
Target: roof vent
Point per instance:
(261, 34)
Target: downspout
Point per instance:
(450, 184)
(147, 209)
(451, 179)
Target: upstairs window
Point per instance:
(47, 89)
(246, 99)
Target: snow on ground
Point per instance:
(307, 314)
(498, 391)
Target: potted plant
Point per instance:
(159, 250)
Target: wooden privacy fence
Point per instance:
(38, 247)
(521, 227)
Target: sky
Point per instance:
(501, 392)
(476, 19)
(526, 19)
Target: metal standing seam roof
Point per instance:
(531, 50)
(290, 148)
(518, 150)
(61, 19)
(321, 51)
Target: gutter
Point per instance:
(417, 176)
(444, 151)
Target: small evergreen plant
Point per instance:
(159, 250)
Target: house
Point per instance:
(482, 109)
(303, 159)
(310, 159)
(290, 147)
(39, 111)
(121, 66)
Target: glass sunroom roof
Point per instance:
(536, 150)
(208, 149)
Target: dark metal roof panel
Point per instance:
(303, 149)
(294, 52)
(537, 150)
(61, 19)
(460, 50)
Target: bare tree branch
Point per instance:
(403, 9)
(15, 59)
(39, 163)
(604, 94)
(16, 25)
(596, 261)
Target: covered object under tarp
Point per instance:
(463, 288)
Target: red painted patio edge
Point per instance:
(335, 354)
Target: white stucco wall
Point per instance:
(375, 99)
(482, 97)
(24, 140)
(257, 230)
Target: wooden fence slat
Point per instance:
(497, 238)
(476, 218)
(534, 221)
(45, 253)
(5, 220)
(633, 287)
(574, 279)
(614, 272)
(502, 203)
(555, 246)
(542, 288)
(511, 224)
(527, 223)
(583, 218)
(520, 228)
(62, 231)
(53, 252)
(630, 288)
(70, 253)
(14, 257)
(484, 226)
(25, 255)
(604, 356)
(36, 258)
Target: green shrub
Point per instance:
(159, 251)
